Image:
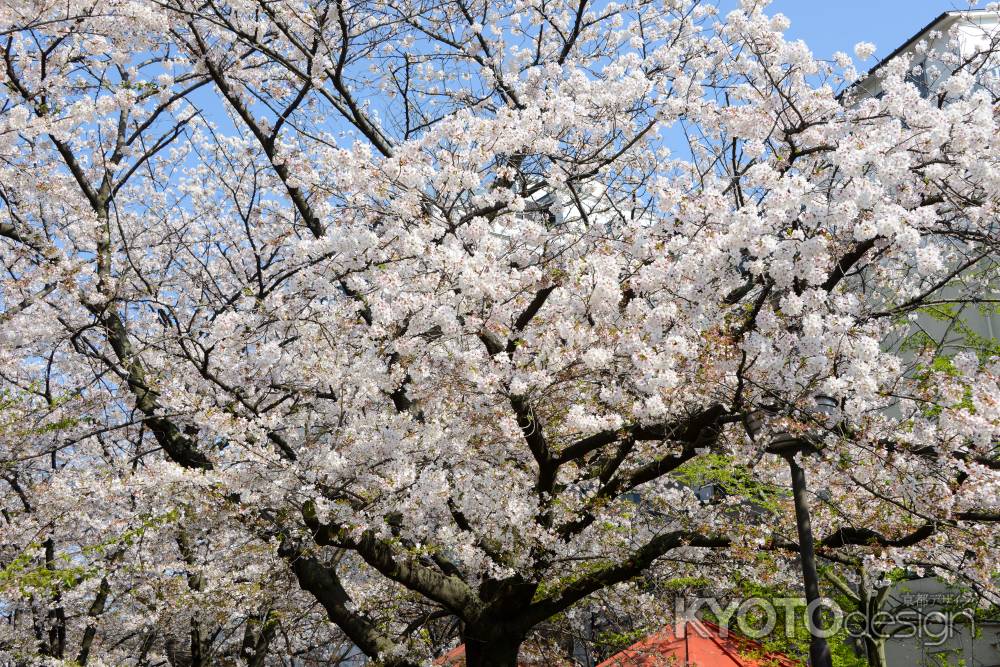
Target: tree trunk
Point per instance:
(875, 649)
(483, 650)
(56, 615)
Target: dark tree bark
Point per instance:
(56, 614)
(486, 651)
(96, 609)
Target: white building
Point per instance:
(955, 33)
(970, 39)
(946, 635)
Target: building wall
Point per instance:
(946, 631)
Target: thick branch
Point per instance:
(847, 262)
(697, 432)
(323, 583)
(403, 568)
(867, 537)
(615, 573)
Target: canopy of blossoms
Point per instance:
(334, 328)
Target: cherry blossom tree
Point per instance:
(334, 328)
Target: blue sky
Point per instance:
(837, 25)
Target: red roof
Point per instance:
(700, 644)
(453, 658)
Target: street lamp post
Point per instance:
(788, 445)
